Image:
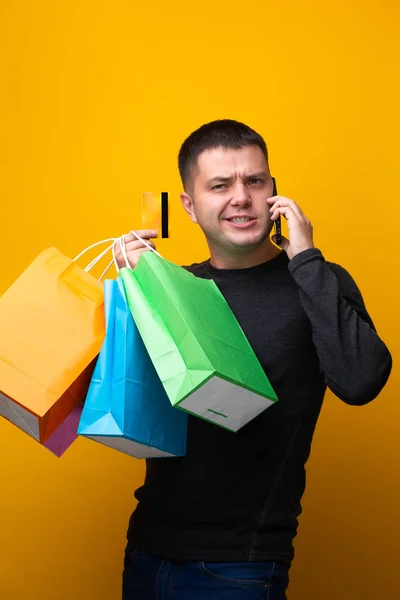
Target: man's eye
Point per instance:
(219, 186)
(255, 180)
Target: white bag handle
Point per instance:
(93, 246)
(99, 257)
(145, 243)
(123, 249)
(110, 264)
(121, 240)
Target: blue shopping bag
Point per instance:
(126, 407)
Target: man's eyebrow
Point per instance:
(257, 175)
(221, 178)
(218, 178)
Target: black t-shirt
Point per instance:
(236, 497)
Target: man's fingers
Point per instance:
(134, 247)
(280, 201)
(145, 234)
(285, 211)
(133, 258)
(134, 244)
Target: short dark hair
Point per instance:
(223, 133)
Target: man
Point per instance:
(219, 523)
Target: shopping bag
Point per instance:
(198, 348)
(65, 434)
(51, 330)
(126, 407)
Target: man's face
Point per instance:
(229, 192)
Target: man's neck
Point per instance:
(223, 260)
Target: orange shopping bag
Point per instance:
(51, 330)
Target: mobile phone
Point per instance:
(278, 222)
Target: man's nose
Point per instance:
(241, 196)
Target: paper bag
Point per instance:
(198, 348)
(126, 407)
(51, 330)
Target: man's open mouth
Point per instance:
(241, 220)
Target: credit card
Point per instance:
(155, 212)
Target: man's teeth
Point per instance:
(241, 220)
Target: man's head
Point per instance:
(225, 174)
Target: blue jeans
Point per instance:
(148, 578)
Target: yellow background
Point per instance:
(96, 98)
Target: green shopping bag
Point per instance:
(198, 348)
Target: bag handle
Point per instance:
(99, 257)
(123, 250)
(93, 246)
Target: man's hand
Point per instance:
(134, 248)
(300, 228)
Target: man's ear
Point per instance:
(187, 204)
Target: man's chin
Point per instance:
(248, 241)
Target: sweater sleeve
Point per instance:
(355, 361)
